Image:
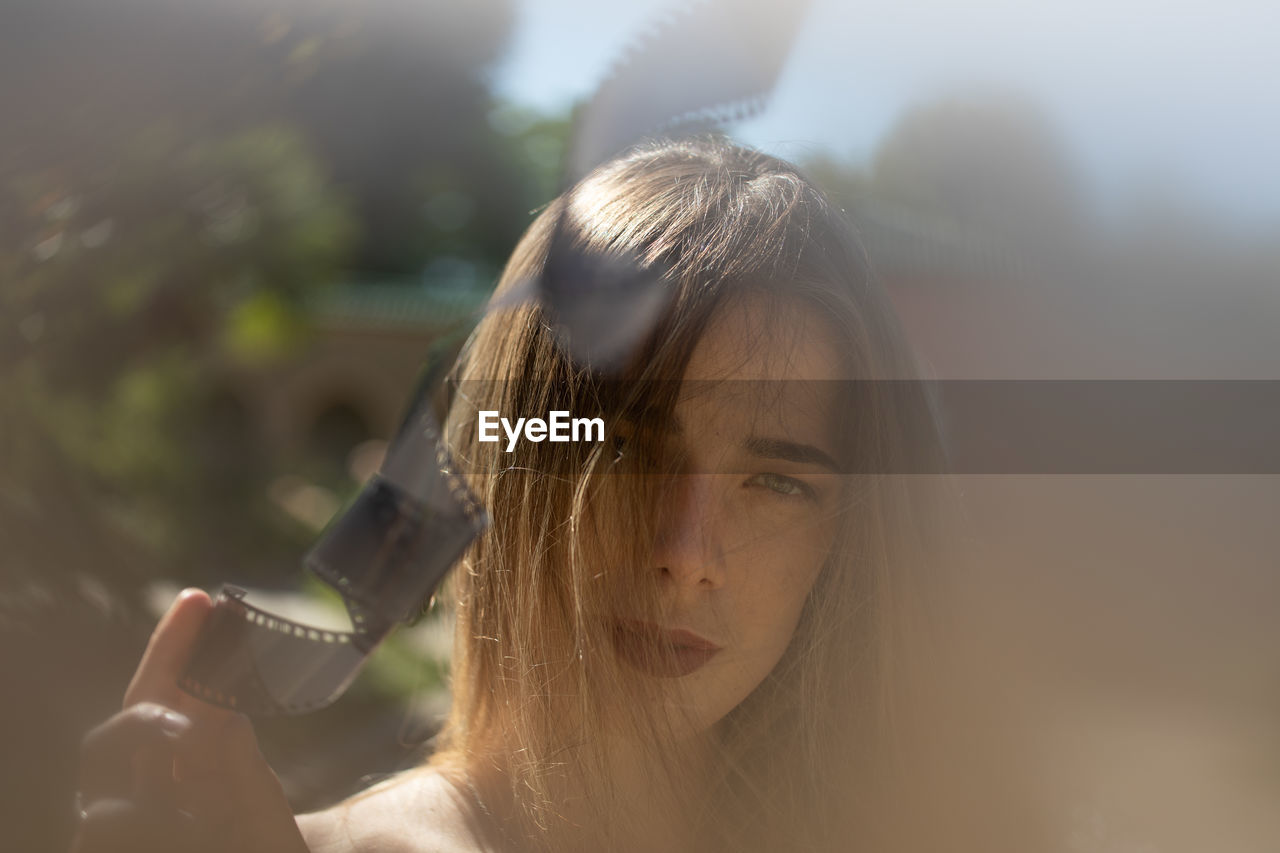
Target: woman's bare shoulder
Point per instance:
(419, 811)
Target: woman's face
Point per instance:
(750, 520)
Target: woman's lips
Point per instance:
(665, 653)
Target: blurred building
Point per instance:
(351, 381)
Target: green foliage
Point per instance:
(135, 286)
(261, 328)
(401, 669)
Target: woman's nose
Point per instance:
(689, 550)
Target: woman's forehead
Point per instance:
(757, 339)
(764, 370)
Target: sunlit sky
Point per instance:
(1144, 92)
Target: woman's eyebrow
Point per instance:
(790, 451)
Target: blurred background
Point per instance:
(230, 234)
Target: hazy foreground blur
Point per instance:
(230, 234)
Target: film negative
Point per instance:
(253, 661)
(385, 555)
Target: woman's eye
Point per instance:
(785, 486)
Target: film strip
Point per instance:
(385, 555)
(253, 661)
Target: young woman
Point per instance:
(701, 633)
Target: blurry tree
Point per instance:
(174, 176)
(395, 101)
(843, 181)
(534, 146)
(186, 251)
(390, 95)
(982, 163)
(120, 286)
(992, 163)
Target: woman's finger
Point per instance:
(108, 753)
(156, 680)
(169, 650)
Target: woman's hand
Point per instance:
(172, 773)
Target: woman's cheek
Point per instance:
(786, 571)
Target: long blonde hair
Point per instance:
(532, 671)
